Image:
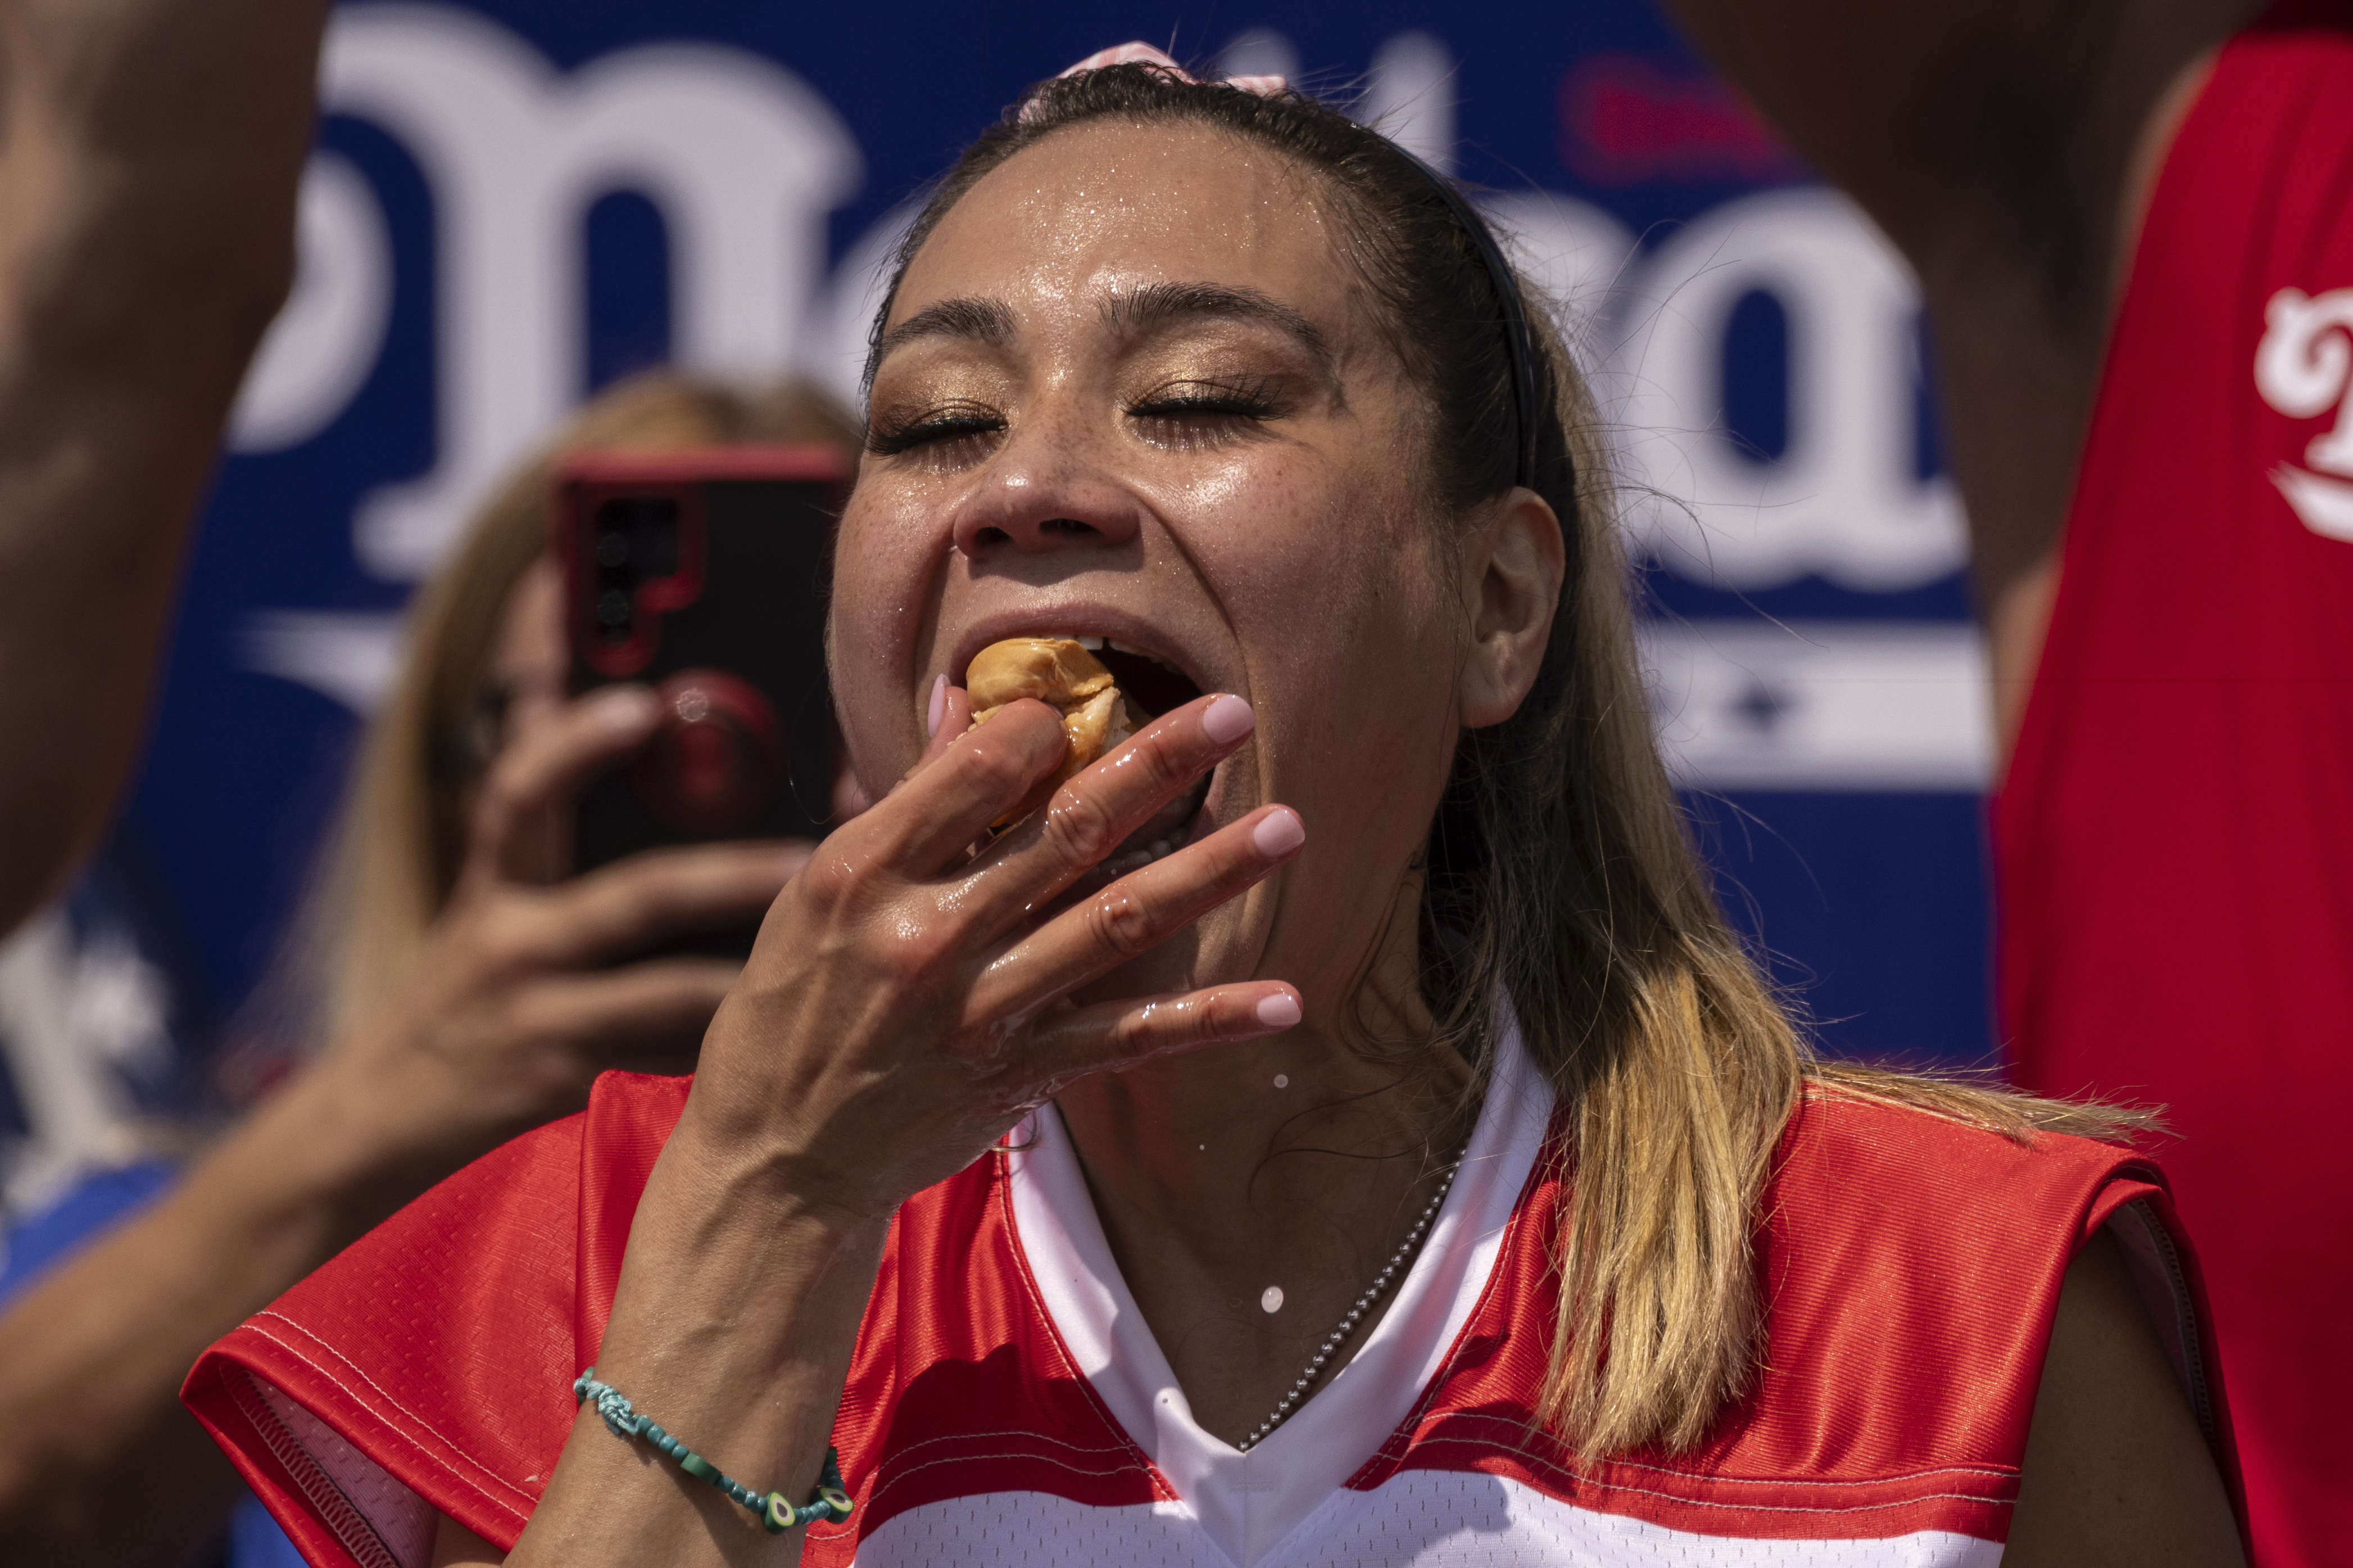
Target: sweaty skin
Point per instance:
(1127, 390)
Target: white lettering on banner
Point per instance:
(1575, 253)
(1874, 706)
(1410, 98)
(1260, 51)
(319, 350)
(841, 329)
(743, 160)
(2304, 368)
(352, 655)
(1844, 499)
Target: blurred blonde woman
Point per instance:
(468, 992)
(486, 662)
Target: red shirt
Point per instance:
(1911, 1267)
(2174, 841)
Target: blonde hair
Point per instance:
(402, 838)
(1558, 872)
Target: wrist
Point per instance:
(724, 1272)
(722, 1201)
(829, 1167)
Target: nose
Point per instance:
(1044, 491)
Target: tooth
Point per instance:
(1159, 846)
(1092, 645)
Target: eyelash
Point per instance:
(939, 434)
(1229, 408)
(943, 428)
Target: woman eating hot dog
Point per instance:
(1335, 1125)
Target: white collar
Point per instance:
(1248, 1502)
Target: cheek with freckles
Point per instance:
(884, 582)
(1344, 602)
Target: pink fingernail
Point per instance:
(1279, 833)
(1279, 1011)
(939, 706)
(1228, 720)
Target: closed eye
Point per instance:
(947, 436)
(1188, 415)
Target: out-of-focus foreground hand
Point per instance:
(149, 156)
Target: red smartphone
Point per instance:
(702, 573)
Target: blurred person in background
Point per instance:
(2134, 224)
(470, 989)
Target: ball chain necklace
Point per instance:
(1339, 1336)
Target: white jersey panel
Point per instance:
(1420, 1519)
(1250, 1503)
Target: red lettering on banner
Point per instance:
(1625, 119)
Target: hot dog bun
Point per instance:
(1064, 676)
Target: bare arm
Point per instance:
(507, 1019)
(2007, 147)
(2117, 1474)
(148, 151)
(902, 1012)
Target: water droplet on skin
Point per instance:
(1283, 1081)
(1273, 1299)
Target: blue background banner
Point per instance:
(514, 203)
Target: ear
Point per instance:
(1512, 568)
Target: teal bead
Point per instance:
(773, 1511)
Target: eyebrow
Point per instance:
(1154, 306)
(976, 320)
(1158, 305)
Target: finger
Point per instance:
(948, 714)
(1137, 913)
(949, 800)
(1113, 1037)
(656, 1009)
(631, 904)
(950, 717)
(521, 827)
(1092, 814)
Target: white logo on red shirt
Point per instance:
(2304, 368)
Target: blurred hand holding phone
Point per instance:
(702, 574)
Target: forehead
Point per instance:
(1099, 208)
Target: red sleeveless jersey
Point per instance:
(2174, 840)
(1910, 1265)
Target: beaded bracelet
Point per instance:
(830, 1500)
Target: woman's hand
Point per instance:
(510, 1012)
(907, 1003)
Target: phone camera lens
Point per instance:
(613, 614)
(613, 549)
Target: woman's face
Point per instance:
(1130, 389)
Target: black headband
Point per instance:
(1519, 343)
